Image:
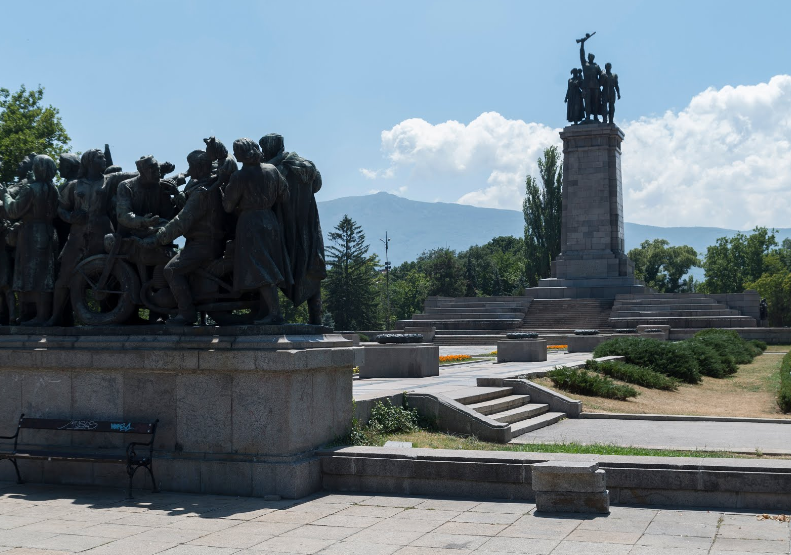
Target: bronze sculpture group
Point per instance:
(99, 247)
(591, 92)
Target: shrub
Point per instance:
(630, 373)
(364, 338)
(387, 419)
(672, 359)
(758, 343)
(711, 362)
(784, 390)
(729, 342)
(588, 383)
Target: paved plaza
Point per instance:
(717, 436)
(54, 520)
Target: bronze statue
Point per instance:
(146, 201)
(302, 235)
(575, 111)
(609, 90)
(35, 206)
(260, 259)
(590, 81)
(85, 205)
(201, 224)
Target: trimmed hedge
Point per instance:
(784, 390)
(729, 342)
(589, 383)
(672, 359)
(630, 373)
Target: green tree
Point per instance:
(661, 266)
(351, 284)
(776, 289)
(444, 272)
(504, 254)
(542, 209)
(26, 126)
(408, 293)
(735, 261)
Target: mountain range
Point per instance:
(414, 226)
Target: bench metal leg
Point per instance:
(153, 480)
(131, 471)
(19, 479)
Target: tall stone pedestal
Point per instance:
(238, 414)
(592, 262)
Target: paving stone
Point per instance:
(292, 545)
(600, 536)
(387, 537)
(231, 538)
(321, 532)
(176, 535)
(264, 528)
(382, 501)
(292, 517)
(448, 505)
(614, 525)
(519, 545)
(7, 522)
(722, 545)
(130, 546)
(19, 538)
(206, 525)
(416, 550)
(655, 550)
(504, 507)
(340, 498)
(756, 530)
(689, 517)
(487, 518)
(70, 543)
(420, 514)
(348, 521)
(682, 529)
(200, 550)
(31, 551)
(471, 528)
(359, 548)
(681, 542)
(366, 510)
(450, 541)
(406, 525)
(589, 548)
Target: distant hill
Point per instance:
(415, 226)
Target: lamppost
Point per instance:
(386, 241)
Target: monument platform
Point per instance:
(241, 410)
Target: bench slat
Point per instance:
(87, 425)
(45, 455)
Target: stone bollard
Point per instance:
(522, 350)
(570, 487)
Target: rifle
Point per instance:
(586, 37)
(107, 156)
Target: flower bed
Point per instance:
(557, 347)
(454, 358)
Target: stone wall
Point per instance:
(241, 419)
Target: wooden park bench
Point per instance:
(131, 458)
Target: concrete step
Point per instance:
(482, 394)
(535, 423)
(619, 305)
(621, 313)
(470, 316)
(686, 322)
(530, 410)
(499, 324)
(500, 404)
(473, 310)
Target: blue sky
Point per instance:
(365, 89)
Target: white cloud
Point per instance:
(724, 160)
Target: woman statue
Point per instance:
(574, 108)
(260, 260)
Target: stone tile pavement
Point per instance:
(56, 520)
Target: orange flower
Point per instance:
(454, 358)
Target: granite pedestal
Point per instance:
(409, 360)
(522, 350)
(240, 411)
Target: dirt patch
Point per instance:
(750, 393)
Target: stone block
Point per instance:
(203, 412)
(522, 350)
(571, 482)
(569, 502)
(400, 361)
(585, 343)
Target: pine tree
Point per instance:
(350, 287)
(542, 209)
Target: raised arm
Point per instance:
(582, 53)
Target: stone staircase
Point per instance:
(567, 315)
(470, 320)
(502, 405)
(678, 310)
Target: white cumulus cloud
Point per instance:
(724, 160)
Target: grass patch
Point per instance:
(437, 440)
(583, 382)
(630, 373)
(784, 388)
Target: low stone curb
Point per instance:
(682, 418)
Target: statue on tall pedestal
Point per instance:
(597, 89)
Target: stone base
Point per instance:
(585, 343)
(572, 502)
(400, 361)
(605, 264)
(587, 288)
(522, 350)
(238, 415)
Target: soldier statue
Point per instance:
(146, 201)
(201, 224)
(35, 206)
(590, 81)
(575, 111)
(302, 235)
(609, 90)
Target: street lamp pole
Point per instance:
(386, 241)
